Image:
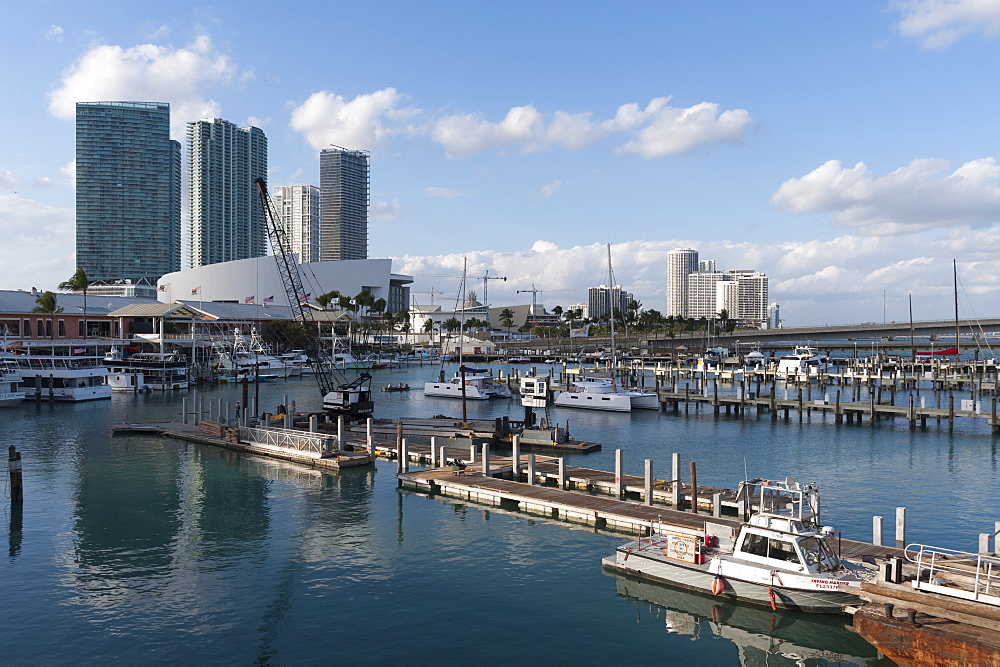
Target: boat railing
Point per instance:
(288, 439)
(971, 576)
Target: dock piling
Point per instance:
(562, 472)
(716, 504)
(486, 460)
(184, 410)
(515, 455)
(16, 482)
(694, 484)
(531, 469)
(675, 488)
(647, 488)
(619, 468)
(402, 457)
(877, 531)
(369, 440)
(900, 527)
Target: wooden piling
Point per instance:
(694, 488)
(647, 488)
(16, 482)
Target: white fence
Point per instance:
(289, 439)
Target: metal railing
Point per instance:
(958, 574)
(318, 443)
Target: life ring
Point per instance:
(681, 548)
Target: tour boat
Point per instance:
(780, 557)
(10, 378)
(396, 387)
(602, 394)
(479, 386)
(60, 372)
(146, 370)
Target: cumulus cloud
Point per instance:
(839, 280)
(940, 23)
(921, 195)
(185, 77)
(385, 211)
(42, 182)
(55, 32)
(544, 192)
(69, 170)
(658, 129)
(326, 118)
(445, 193)
(38, 242)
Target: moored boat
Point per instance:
(479, 386)
(10, 378)
(603, 394)
(60, 371)
(780, 557)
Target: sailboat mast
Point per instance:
(611, 304)
(958, 341)
(913, 349)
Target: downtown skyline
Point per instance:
(846, 152)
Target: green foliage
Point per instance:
(290, 334)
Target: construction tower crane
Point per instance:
(340, 397)
(534, 297)
(486, 278)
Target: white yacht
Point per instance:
(10, 378)
(479, 386)
(250, 360)
(344, 360)
(603, 394)
(61, 372)
(781, 557)
(804, 360)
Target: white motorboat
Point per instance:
(780, 557)
(146, 370)
(61, 372)
(10, 379)
(249, 359)
(602, 394)
(479, 386)
(804, 360)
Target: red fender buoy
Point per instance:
(770, 594)
(718, 585)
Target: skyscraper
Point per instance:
(680, 263)
(225, 218)
(343, 182)
(298, 209)
(600, 301)
(128, 190)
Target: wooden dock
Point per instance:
(583, 508)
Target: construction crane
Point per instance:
(486, 277)
(430, 292)
(340, 397)
(534, 297)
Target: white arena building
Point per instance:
(257, 281)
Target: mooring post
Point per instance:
(403, 457)
(472, 453)
(443, 453)
(16, 483)
(562, 472)
(984, 543)
(486, 460)
(340, 431)
(515, 456)
(716, 504)
(369, 440)
(619, 467)
(531, 469)
(900, 527)
(951, 413)
(184, 410)
(434, 457)
(675, 474)
(877, 531)
(313, 423)
(647, 487)
(694, 480)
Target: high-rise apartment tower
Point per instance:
(680, 263)
(298, 212)
(225, 218)
(343, 182)
(128, 190)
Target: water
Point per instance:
(146, 549)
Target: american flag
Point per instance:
(163, 287)
(248, 299)
(268, 299)
(305, 298)
(196, 290)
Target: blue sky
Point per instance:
(847, 150)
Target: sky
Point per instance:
(848, 150)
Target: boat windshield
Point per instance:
(817, 552)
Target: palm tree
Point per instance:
(78, 283)
(46, 304)
(324, 300)
(507, 319)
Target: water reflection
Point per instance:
(760, 635)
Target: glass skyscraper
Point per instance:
(343, 182)
(225, 218)
(128, 191)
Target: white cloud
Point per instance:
(38, 242)
(919, 196)
(659, 129)
(385, 211)
(184, 77)
(445, 193)
(70, 172)
(544, 192)
(326, 118)
(42, 182)
(939, 23)
(55, 32)
(674, 131)
(836, 281)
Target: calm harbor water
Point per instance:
(145, 549)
